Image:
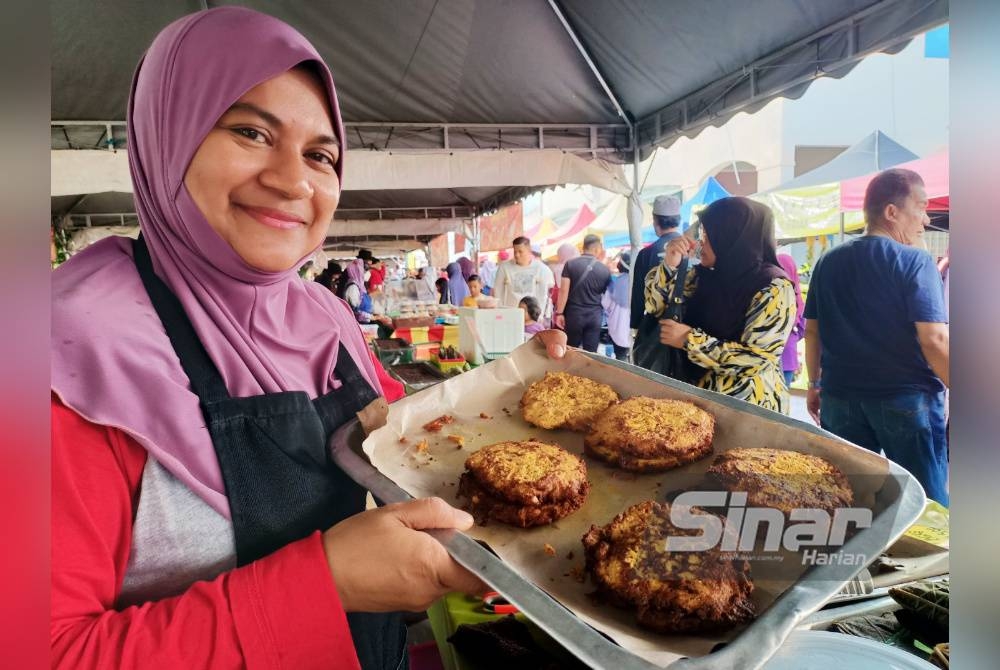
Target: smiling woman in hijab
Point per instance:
(197, 521)
(741, 304)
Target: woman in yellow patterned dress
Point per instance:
(740, 304)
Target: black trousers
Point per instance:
(583, 327)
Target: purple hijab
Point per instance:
(468, 267)
(265, 331)
(789, 356)
(458, 290)
(354, 274)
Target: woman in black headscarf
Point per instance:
(741, 305)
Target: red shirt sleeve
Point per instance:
(392, 388)
(281, 611)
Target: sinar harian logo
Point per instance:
(803, 529)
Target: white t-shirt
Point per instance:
(514, 281)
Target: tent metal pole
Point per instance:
(590, 63)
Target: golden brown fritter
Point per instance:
(562, 400)
(651, 434)
(671, 592)
(523, 483)
(782, 479)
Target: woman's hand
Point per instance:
(673, 334)
(676, 249)
(554, 341)
(381, 562)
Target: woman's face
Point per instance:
(264, 176)
(707, 255)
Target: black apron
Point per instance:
(272, 452)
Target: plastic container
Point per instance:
(449, 365)
(417, 376)
(450, 612)
(393, 351)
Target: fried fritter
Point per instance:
(671, 592)
(562, 400)
(523, 483)
(651, 434)
(782, 479)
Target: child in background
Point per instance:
(531, 313)
(475, 292)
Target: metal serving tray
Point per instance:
(899, 504)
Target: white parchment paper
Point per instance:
(494, 390)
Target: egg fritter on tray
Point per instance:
(562, 400)
(651, 434)
(670, 591)
(524, 484)
(782, 479)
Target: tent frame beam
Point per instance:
(590, 61)
(590, 133)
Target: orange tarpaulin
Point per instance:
(497, 231)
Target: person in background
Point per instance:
(564, 253)
(443, 290)
(352, 289)
(617, 304)
(197, 521)
(457, 287)
(487, 273)
(740, 307)
(376, 275)
(532, 312)
(475, 292)
(330, 276)
(790, 356)
(468, 267)
(524, 275)
(584, 282)
(666, 225)
(877, 336)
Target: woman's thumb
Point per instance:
(431, 513)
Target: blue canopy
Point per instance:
(709, 192)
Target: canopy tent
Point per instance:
(708, 193)
(872, 153)
(810, 204)
(596, 79)
(933, 170)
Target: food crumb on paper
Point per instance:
(578, 574)
(437, 424)
(458, 440)
(549, 549)
(484, 415)
(402, 439)
(569, 556)
(422, 446)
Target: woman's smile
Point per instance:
(272, 217)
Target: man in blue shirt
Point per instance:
(877, 336)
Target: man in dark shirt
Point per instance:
(584, 281)
(877, 336)
(666, 222)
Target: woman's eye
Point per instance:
(322, 158)
(250, 134)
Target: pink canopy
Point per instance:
(577, 224)
(933, 169)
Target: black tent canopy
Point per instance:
(593, 79)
